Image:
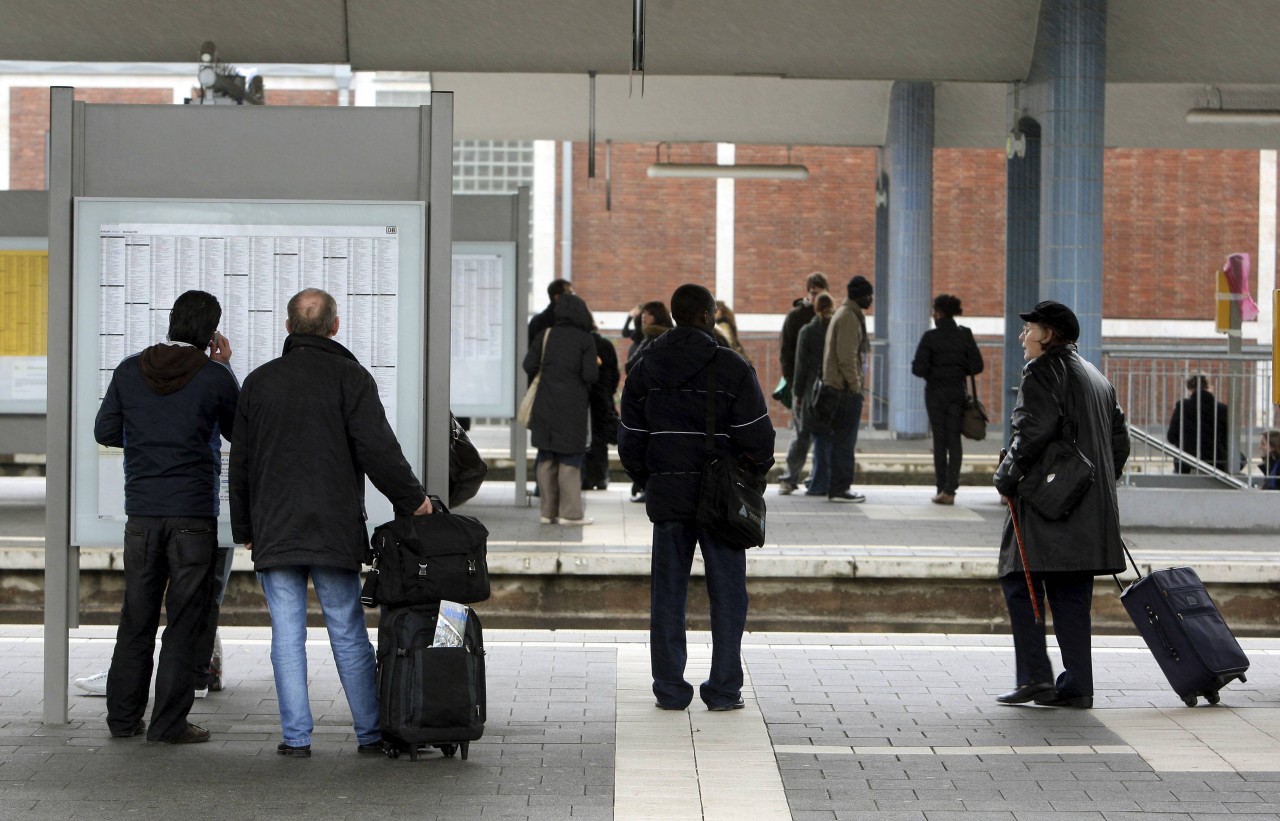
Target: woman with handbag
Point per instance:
(1065, 406)
(945, 356)
(564, 358)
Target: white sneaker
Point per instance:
(545, 520)
(203, 692)
(94, 685)
(583, 521)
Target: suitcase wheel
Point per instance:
(392, 752)
(1190, 701)
(1213, 697)
(450, 749)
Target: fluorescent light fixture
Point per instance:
(1234, 116)
(708, 171)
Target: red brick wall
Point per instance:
(1170, 220)
(969, 228)
(29, 120)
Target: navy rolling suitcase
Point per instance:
(429, 696)
(1185, 632)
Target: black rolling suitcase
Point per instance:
(1185, 632)
(429, 696)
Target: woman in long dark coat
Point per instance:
(560, 422)
(1063, 555)
(946, 355)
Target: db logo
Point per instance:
(391, 229)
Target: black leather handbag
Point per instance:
(423, 559)
(1056, 484)
(818, 413)
(973, 422)
(731, 503)
(467, 468)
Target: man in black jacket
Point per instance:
(801, 314)
(546, 318)
(662, 446)
(168, 407)
(309, 427)
(1199, 426)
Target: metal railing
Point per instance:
(1217, 439)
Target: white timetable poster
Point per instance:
(133, 258)
(482, 363)
(253, 270)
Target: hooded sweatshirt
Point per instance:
(168, 407)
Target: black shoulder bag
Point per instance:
(731, 504)
(1056, 484)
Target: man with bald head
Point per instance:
(309, 428)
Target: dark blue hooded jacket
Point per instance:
(661, 440)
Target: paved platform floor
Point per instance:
(837, 726)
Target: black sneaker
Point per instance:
(138, 729)
(846, 496)
(191, 735)
(371, 748)
(303, 751)
(724, 708)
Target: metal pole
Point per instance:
(566, 212)
(59, 581)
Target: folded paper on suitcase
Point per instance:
(423, 559)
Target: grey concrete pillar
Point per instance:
(910, 152)
(1067, 87)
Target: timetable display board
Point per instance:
(133, 258)
(482, 363)
(24, 335)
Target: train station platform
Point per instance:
(872, 727)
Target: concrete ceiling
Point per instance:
(771, 71)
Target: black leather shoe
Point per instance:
(1056, 699)
(662, 706)
(138, 729)
(1025, 692)
(371, 748)
(303, 751)
(191, 735)
(724, 708)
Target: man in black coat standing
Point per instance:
(1199, 426)
(309, 427)
(664, 404)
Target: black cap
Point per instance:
(859, 287)
(1057, 316)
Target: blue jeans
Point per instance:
(339, 594)
(820, 478)
(726, 576)
(844, 438)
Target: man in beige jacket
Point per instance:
(844, 364)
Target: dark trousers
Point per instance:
(797, 451)
(944, 420)
(844, 438)
(1071, 598)
(204, 646)
(167, 561)
(595, 470)
(726, 577)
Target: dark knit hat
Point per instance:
(859, 287)
(1057, 316)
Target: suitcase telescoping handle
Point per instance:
(1132, 562)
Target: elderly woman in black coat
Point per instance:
(1064, 554)
(945, 356)
(565, 354)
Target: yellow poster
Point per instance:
(24, 303)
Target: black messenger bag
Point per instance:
(423, 559)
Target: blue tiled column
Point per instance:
(910, 150)
(884, 298)
(1067, 86)
(1022, 257)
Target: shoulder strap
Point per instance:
(710, 445)
(1070, 430)
(545, 336)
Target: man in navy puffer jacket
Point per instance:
(168, 407)
(661, 443)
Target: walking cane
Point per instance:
(1022, 552)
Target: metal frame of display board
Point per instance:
(228, 153)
